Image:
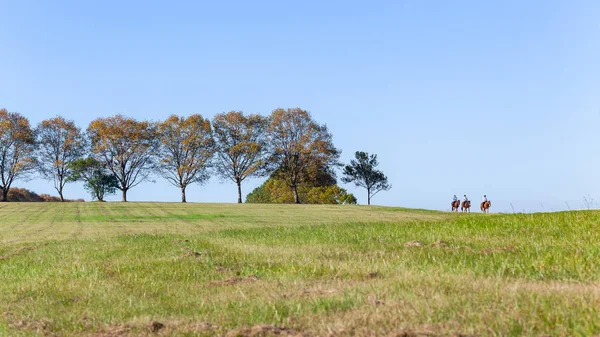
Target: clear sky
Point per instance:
(477, 97)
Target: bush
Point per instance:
(24, 195)
(276, 191)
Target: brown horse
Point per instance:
(466, 206)
(485, 206)
(455, 205)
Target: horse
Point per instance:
(455, 205)
(485, 206)
(466, 206)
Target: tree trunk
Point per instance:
(62, 199)
(368, 197)
(239, 186)
(4, 195)
(183, 194)
(296, 197)
(124, 195)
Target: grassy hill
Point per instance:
(137, 269)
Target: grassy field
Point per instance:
(167, 269)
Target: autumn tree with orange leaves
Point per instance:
(242, 146)
(299, 145)
(186, 148)
(126, 147)
(60, 142)
(17, 145)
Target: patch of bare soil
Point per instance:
(374, 274)
(403, 333)
(198, 327)
(175, 328)
(17, 252)
(422, 333)
(414, 243)
(234, 280)
(42, 326)
(113, 331)
(263, 331)
(156, 326)
(440, 244)
(190, 253)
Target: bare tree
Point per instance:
(126, 147)
(59, 143)
(241, 145)
(186, 148)
(300, 144)
(17, 143)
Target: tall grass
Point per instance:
(213, 269)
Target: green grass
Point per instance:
(111, 269)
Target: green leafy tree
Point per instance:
(98, 181)
(17, 145)
(363, 173)
(242, 146)
(332, 194)
(320, 188)
(277, 191)
(299, 145)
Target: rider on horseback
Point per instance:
(484, 199)
(465, 199)
(454, 199)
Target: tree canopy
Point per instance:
(98, 181)
(60, 142)
(363, 173)
(186, 148)
(299, 144)
(119, 152)
(126, 147)
(320, 188)
(242, 146)
(17, 145)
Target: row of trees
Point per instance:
(119, 153)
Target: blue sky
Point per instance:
(477, 97)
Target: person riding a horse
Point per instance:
(466, 204)
(455, 204)
(485, 204)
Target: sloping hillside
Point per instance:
(136, 269)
